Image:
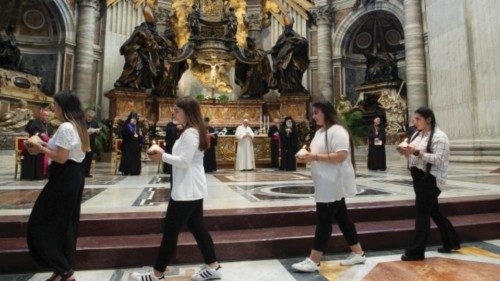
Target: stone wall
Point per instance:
(463, 70)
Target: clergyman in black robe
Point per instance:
(172, 133)
(34, 167)
(274, 139)
(376, 146)
(130, 163)
(209, 160)
(93, 131)
(289, 138)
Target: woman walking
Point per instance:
(428, 152)
(52, 226)
(188, 191)
(332, 169)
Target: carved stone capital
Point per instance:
(254, 21)
(322, 14)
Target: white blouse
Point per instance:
(67, 137)
(189, 181)
(332, 182)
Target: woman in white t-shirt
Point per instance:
(188, 190)
(54, 218)
(332, 169)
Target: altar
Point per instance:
(226, 150)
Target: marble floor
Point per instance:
(149, 192)
(474, 262)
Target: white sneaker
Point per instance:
(146, 274)
(353, 259)
(207, 273)
(306, 265)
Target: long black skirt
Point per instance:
(52, 226)
(376, 157)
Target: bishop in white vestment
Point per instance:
(245, 159)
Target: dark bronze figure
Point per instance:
(232, 25)
(290, 60)
(254, 79)
(194, 21)
(169, 73)
(141, 58)
(10, 56)
(381, 67)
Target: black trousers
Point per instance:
(178, 214)
(327, 214)
(88, 162)
(426, 204)
(53, 223)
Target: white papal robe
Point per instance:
(245, 159)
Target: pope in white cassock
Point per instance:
(245, 159)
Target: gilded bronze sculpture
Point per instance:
(290, 57)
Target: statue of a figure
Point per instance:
(141, 56)
(344, 105)
(381, 67)
(194, 21)
(16, 119)
(169, 72)
(10, 56)
(290, 60)
(254, 79)
(232, 25)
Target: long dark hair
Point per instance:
(194, 119)
(426, 112)
(72, 112)
(332, 118)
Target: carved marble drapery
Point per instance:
(415, 56)
(322, 17)
(84, 58)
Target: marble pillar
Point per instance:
(84, 58)
(254, 20)
(416, 82)
(322, 15)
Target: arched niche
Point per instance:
(376, 28)
(42, 29)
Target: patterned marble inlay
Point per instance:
(25, 198)
(159, 180)
(152, 196)
(261, 176)
(434, 269)
(288, 191)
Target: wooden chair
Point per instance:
(19, 147)
(118, 153)
(161, 143)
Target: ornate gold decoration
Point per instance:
(203, 73)
(226, 149)
(295, 107)
(121, 103)
(137, 3)
(212, 10)
(231, 114)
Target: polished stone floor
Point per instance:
(474, 262)
(149, 192)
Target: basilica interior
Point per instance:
(257, 60)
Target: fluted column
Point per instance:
(87, 17)
(254, 23)
(415, 56)
(322, 16)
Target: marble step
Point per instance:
(127, 250)
(253, 218)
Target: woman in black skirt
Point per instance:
(52, 226)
